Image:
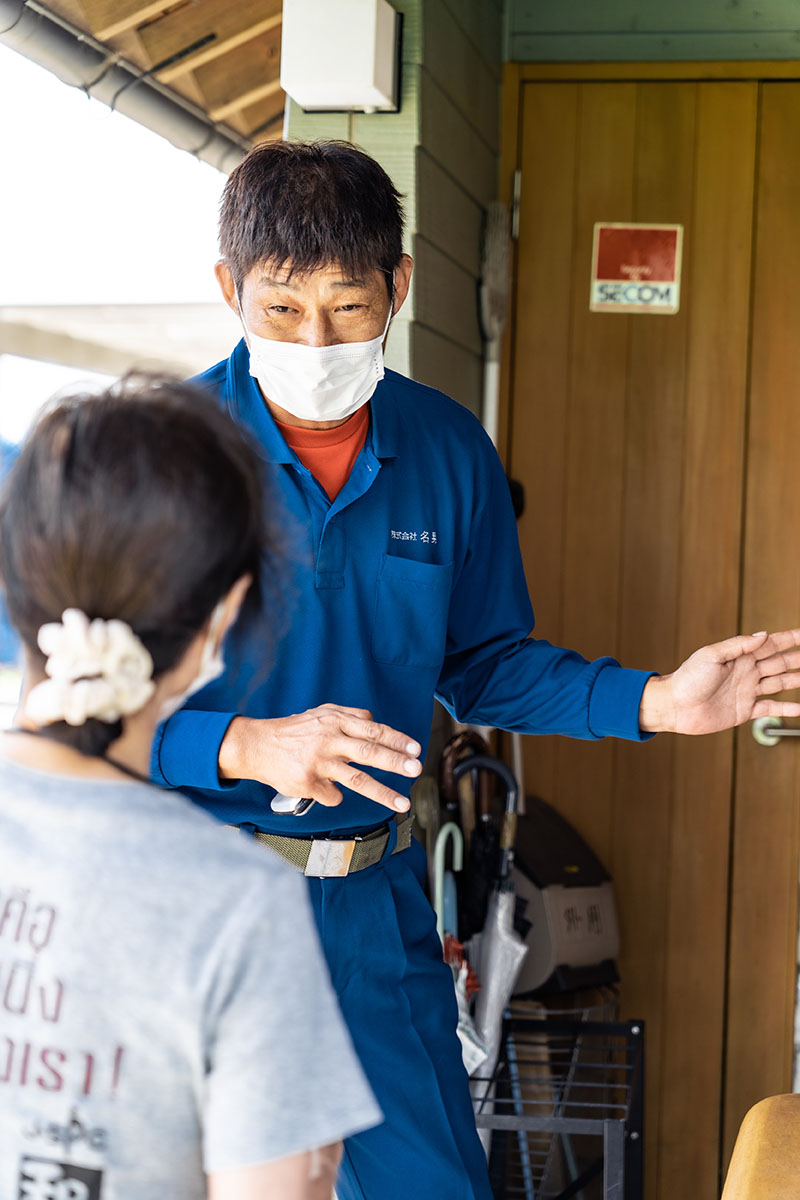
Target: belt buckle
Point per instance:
(330, 858)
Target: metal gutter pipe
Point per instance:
(80, 61)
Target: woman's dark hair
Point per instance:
(305, 205)
(144, 503)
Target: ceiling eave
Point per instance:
(81, 61)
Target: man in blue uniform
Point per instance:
(406, 584)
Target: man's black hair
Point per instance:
(305, 205)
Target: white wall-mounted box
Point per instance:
(341, 56)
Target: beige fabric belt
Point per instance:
(327, 858)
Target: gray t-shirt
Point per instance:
(164, 1005)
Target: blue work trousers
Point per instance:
(378, 932)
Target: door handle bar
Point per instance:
(768, 731)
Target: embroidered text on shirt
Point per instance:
(405, 535)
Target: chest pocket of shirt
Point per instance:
(411, 608)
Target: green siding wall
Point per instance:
(650, 30)
(441, 150)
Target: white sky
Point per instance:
(25, 385)
(93, 209)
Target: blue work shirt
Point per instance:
(409, 585)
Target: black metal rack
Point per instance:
(565, 1108)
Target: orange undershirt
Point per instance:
(329, 454)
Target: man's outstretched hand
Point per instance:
(725, 685)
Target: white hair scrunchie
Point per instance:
(96, 669)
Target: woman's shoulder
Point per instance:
(126, 826)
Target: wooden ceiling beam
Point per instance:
(216, 49)
(245, 100)
(107, 19)
(215, 26)
(241, 78)
(263, 122)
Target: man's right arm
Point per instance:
(305, 755)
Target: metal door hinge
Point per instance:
(515, 198)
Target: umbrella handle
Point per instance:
(465, 742)
(448, 831)
(485, 762)
(508, 834)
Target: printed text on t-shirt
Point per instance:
(29, 993)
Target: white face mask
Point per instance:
(212, 664)
(317, 383)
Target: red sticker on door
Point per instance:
(636, 268)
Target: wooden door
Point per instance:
(629, 433)
(766, 846)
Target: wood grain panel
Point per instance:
(629, 435)
(220, 25)
(262, 121)
(648, 49)
(697, 71)
(654, 433)
(596, 443)
(717, 278)
(540, 383)
(242, 77)
(765, 850)
(510, 154)
(109, 18)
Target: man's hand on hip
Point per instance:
(309, 754)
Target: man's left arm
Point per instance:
(495, 674)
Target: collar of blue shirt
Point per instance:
(247, 406)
